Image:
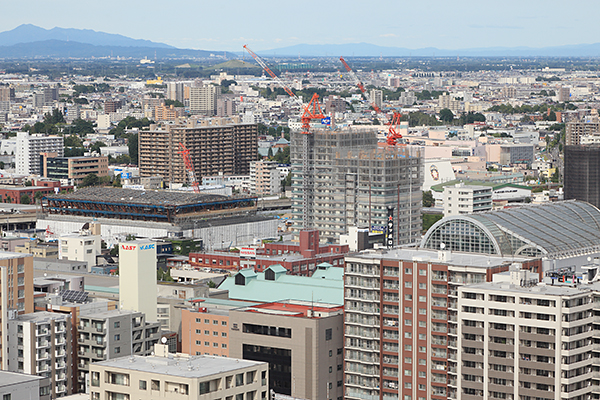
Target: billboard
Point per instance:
(389, 236)
(378, 229)
(247, 252)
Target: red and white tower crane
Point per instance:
(393, 135)
(185, 154)
(312, 111)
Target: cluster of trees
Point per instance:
(509, 109)
(427, 95)
(132, 138)
(174, 103)
(94, 88)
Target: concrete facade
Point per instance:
(302, 342)
(173, 377)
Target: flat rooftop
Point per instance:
(295, 308)
(453, 258)
(41, 316)
(14, 378)
(146, 197)
(180, 365)
(9, 255)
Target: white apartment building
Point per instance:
(521, 340)
(80, 247)
(40, 346)
(265, 178)
(29, 147)
(175, 377)
(463, 199)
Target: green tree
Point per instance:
(90, 180)
(446, 115)
(38, 196)
(283, 156)
(25, 199)
(81, 127)
(132, 144)
(73, 141)
(428, 200)
(96, 146)
(174, 103)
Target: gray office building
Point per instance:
(112, 334)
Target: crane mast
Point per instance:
(393, 135)
(185, 154)
(311, 111)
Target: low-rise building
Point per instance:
(298, 258)
(463, 199)
(15, 386)
(75, 168)
(176, 376)
(82, 246)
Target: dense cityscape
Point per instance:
(241, 226)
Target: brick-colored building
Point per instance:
(297, 258)
(205, 330)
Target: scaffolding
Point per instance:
(355, 182)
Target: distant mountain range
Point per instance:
(372, 50)
(30, 41)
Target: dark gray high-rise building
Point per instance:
(582, 173)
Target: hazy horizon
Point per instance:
(271, 24)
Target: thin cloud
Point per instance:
(495, 27)
(388, 35)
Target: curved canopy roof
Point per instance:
(566, 226)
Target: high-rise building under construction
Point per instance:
(342, 178)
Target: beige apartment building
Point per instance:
(16, 293)
(520, 340)
(215, 149)
(179, 376)
(302, 342)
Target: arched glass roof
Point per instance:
(549, 228)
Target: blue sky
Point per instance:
(268, 24)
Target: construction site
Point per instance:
(157, 206)
(357, 182)
(345, 177)
(217, 220)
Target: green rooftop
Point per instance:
(495, 186)
(326, 285)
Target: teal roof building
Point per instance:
(326, 285)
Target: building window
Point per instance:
(224, 334)
(239, 379)
(407, 347)
(328, 334)
(154, 385)
(330, 369)
(223, 345)
(423, 272)
(224, 323)
(117, 350)
(215, 322)
(408, 335)
(408, 284)
(207, 321)
(215, 333)
(207, 343)
(198, 331)
(142, 385)
(207, 332)
(117, 324)
(407, 372)
(117, 337)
